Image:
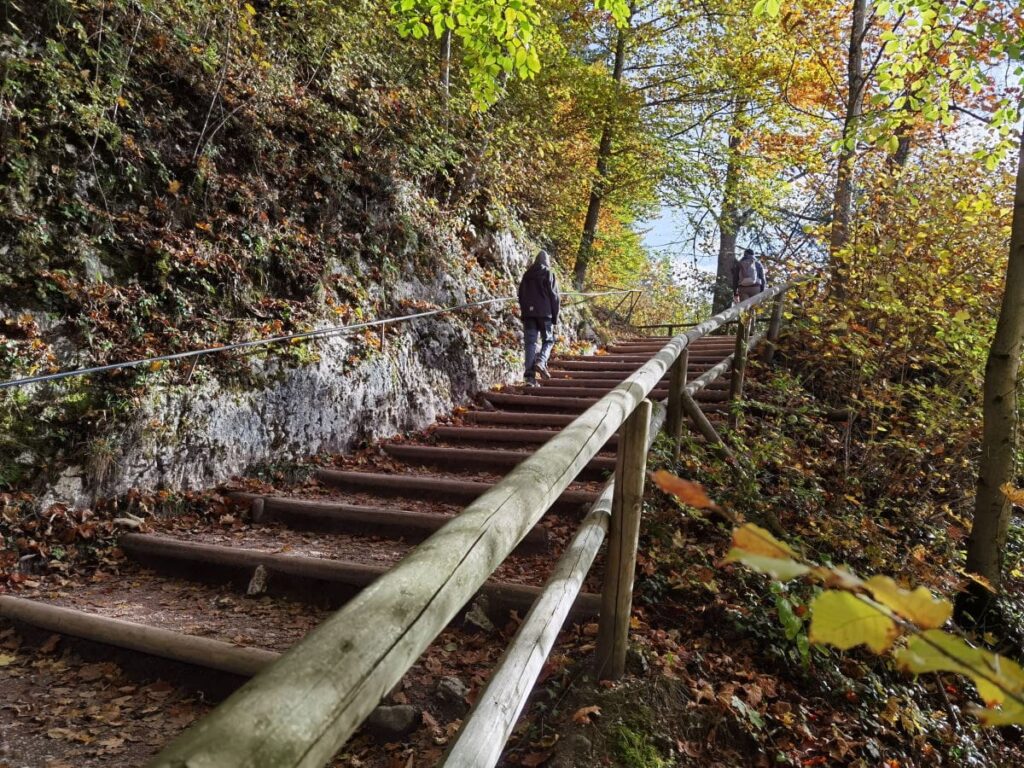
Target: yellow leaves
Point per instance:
(918, 606)
(1000, 682)
(845, 620)
(756, 540)
(758, 549)
(173, 187)
(6, 660)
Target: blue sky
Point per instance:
(670, 233)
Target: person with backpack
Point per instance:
(747, 277)
(539, 303)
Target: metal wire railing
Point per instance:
(289, 337)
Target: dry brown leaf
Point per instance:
(586, 715)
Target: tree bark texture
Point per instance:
(445, 64)
(600, 185)
(730, 219)
(843, 200)
(999, 438)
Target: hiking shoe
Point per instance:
(542, 369)
(531, 383)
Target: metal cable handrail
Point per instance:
(320, 332)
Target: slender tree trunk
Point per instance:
(999, 439)
(730, 219)
(599, 187)
(843, 201)
(445, 64)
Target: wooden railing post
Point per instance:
(774, 326)
(739, 368)
(623, 537)
(676, 388)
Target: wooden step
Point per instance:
(571, 390)
(711, 356)
(154, 641)
(608, 384)
(574, 404)
(476, 458)
(617, 376)
(520, 417)
(309, 578)
(332, 517)
(420, 486)
(496, 435)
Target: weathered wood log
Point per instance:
(488, 725)
(302, 708)
(774, 327)
(675, 406)
(739, 369)
(623, 538)
(189, 649)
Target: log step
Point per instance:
(577, 403)
(189, 649)
(520, 417)
(328, 516)
(571, 390)
(711, 356)
(619, 375)
(306, 577)
(420, 486)
(609, 384)
(496, 435)
(473, 458)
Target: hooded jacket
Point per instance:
(538, 291)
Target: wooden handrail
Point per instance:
(301, 709)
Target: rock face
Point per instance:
(190, 436)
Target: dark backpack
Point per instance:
(748, 273)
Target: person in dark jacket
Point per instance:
(539, 304)
(747, 277)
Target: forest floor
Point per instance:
(720, 673)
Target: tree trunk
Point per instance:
(999, 439)
(597, 190)
(843, 201)
(730, 219)
(445, 65)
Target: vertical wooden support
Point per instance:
(739, 368)
(774, 326)
(623, 537)
(676, 389)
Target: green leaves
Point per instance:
(496, 37)
(767, 8)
